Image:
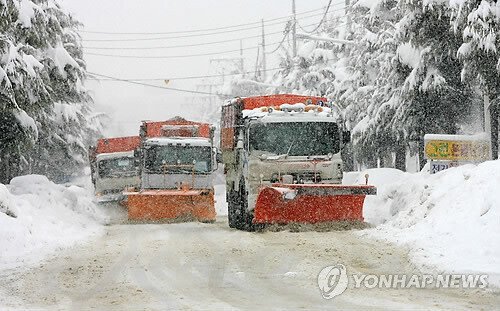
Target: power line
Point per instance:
(195, 35)
(287, 31)
(205, 29)
(136, 81)
(188, 45)
(157, 86)
(189, 77)
(193, 30)
(320, 22)
(178, 46)
(176, 56)
(199, 54)
(185, 45)
(193, 77)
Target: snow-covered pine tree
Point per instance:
(310, 72)
(478, 23)
(46, 112)
(433, 99)
(370, 89)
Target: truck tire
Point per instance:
(231, 195)
(243, 217)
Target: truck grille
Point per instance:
(301, 177)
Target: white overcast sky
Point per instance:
(128, 104)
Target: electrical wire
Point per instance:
(193, 35)
(180, 46)
(136, 81)
(195, 77)
(177, 56)
(188, 45)
(205, 29)
(320, 22)
(157, 86)
(280, 44)
(194, 30)
(285, 35)
(185, 45)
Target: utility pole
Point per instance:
(348, 18)
(242, 66)
(491, 125)
(294, 29)
(257, 74)
(487, 121)
(263, 52)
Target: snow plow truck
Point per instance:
(177, 160)
(113, 167)
(282, 161)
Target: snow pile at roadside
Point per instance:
(449, 220)
(38, 217)
(220, 199)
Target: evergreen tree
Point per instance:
(311, 72)
(46, 112)
(478, 22)
(371, 89)
(434, 98)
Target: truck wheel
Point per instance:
(231, 209)
(244, 219)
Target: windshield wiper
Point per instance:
(176, 170)
(284, 156)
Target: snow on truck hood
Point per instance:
(179, 141)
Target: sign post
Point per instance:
(445, 151)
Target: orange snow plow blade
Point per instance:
(283, 203)
(171, 205)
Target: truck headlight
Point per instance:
(274, 178)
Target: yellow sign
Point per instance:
(457, 150)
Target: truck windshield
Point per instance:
(178, 159)
(117, 167)
(295, 138)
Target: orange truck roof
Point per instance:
(276, 100)
(117, 144)
(155, 128)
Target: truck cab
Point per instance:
(298, 148)
(113, 167)
(181, 160)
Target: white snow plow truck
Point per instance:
(113, 167)
(282, 161)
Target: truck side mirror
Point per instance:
(346, 137)
(218, 156)
(239, 144)
(137, 157)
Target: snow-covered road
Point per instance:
(209, 266)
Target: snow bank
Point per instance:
(449, 220)
(220, 199)
(375, 210)
(38, 217)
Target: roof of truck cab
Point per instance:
(278, 99)
(182, 141)
(117, 144)
(154, 128)
(114, 155)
